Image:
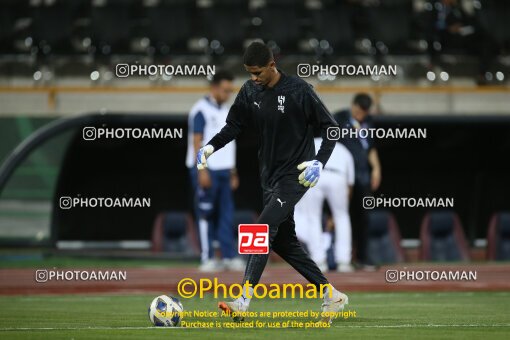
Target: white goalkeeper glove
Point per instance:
(202, 156)
(311, 173)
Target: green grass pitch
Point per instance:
(378, 315)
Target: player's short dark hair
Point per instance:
(221, 75)
(257, 54)
(363, 100)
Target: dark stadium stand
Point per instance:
(321, 30)
(63, 164)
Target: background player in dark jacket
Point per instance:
(284, 111)
(367, 167)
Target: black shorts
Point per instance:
(279, 203)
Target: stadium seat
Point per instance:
(224, 25)
(8, 17)
(244, 217)
(15, 27)
(332, 28)
(280, 24)
(442, 237)
(173, 232)
(168, 26)
(498, 237)
(53, 26)
(111, 25)
(383, 238)
(494, 17)
(387, 34)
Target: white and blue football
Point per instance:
(166, 311)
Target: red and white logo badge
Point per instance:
(253, 238)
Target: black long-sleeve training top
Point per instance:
(285, 118)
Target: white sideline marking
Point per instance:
(420, 326)
(152, 327)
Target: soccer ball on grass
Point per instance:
(165, 311)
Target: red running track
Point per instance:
(489, 277)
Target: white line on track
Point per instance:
(335, 326)
(421, 326)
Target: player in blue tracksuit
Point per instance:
(212, 188)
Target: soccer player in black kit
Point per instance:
(284, 111)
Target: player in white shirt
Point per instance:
(335, 185)
(212, 187)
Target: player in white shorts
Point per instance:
(335, 187)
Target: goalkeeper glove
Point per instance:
(202, 156)
(311, 173)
